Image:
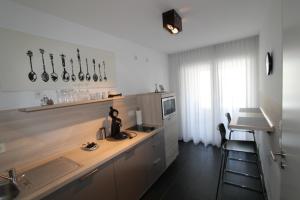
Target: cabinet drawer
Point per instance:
(99, 183)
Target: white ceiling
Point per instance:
(205, 22)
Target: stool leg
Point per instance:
(221, 171)
(230, 135)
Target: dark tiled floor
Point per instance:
(194, 175)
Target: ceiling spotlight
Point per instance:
(172, 21)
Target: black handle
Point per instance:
(89, 174)
(79, 60)
(71, 61)
(87, 65)
(51, 58)
(94, 62)
(63, 60)
(42, 51)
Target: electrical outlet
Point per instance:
(2, 147)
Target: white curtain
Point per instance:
(211, 81)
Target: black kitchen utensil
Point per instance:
(65, 75)
(95, 76)
(100, 77)
(87, 76)
(45, 75)
(80, 74)
(54, 76)
(31, 75)
(104, 78)
(73, 77)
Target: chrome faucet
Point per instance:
(12, 176)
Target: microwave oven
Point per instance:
(168, 107)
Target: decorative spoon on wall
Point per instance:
(80, 74)
(65, 75)
(95, 76)
(104, 78)
(87, 76)
(45, 75)
(73, 77)
(100, 77)
(54, 76)
(31, 75)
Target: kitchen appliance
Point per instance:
(168, 105)
(116, 125)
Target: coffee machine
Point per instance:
(116, 125)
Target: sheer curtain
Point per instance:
(211, 81)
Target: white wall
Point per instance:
(137, 68)
(270, 92)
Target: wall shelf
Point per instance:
(252, 119)
(64, 105)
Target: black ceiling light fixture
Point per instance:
(172, 21)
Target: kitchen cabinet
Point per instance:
(171, 139)
(125, 177)
(98, 184)
(131, 169)
(151, 106)
(158, 157)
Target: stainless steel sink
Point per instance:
(42, 175)
(142, 128)
(8, 190)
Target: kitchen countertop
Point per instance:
(88, 161)
(251, 119)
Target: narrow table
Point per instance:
(251, 119)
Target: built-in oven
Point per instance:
(168, 107)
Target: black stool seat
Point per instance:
(240, 145)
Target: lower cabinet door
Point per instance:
(158, 157)
(98, 184)
(131, 170)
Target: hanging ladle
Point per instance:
(73, 77)
(45, 75)
(104, 78)
(32, 75)
(65, 75)
(87, 76)
(54, 76)
(80, 74)
(100, 77)
(95, 76)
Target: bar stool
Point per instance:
(248, 147)
(228, 116)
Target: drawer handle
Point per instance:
(88, 175)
